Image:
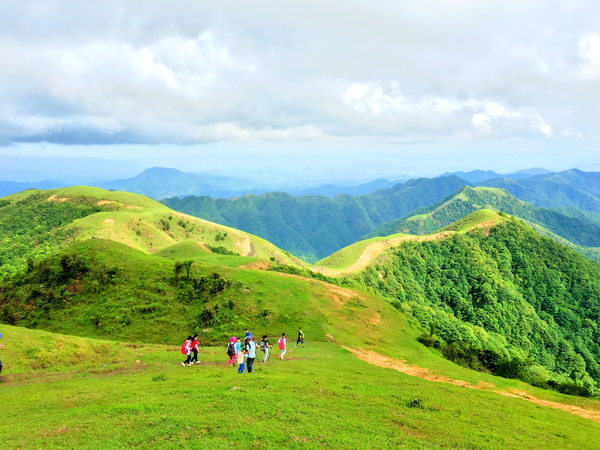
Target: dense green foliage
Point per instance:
(31, 227)
(570, 188)
(577, 226)
(312, 227)
(511, 297)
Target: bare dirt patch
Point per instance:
(109, 221)
(263, 264)
(401, 366)
(203, 246)
(375, 249)
(338, 294)
(54, 198)
(374, 320)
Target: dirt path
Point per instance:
(375, 249)
(401, 366)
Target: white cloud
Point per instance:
(589, 50)
(185, 72)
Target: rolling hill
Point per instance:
(33, 223)
(477, 282)
(569, 188)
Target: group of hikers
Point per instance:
(242, 357)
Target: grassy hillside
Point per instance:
(364, 378)
(34, 223)
(102, 288)
(358, 256)
(320, 396)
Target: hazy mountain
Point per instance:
(573, 188)
(11, 187)
(160, 182)
(476, 176)
(331, 190)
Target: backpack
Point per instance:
(263, 345)
(184, 348)
(231, 349)
(281, 343)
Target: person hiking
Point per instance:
(265, 346)
(231, 350)
(281, 343)
(194, 347)
(300, 337)
(186, 349)
(248, 335)
(251, 352)
(240, 360)
(238, 345)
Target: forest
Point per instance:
(507, 300)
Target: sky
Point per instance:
(316, 90)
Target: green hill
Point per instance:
(570, 188)
(34, 223)
(321, 396)
(359, 255)
(312, 227)
(576, 226)
(502, 297)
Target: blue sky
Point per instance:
(338, 89)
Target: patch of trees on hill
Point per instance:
(34, 227)
(511, 302)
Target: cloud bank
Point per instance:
(185, 72)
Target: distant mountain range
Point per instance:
(567, 188)
(563, 204)
(12, 187)
(477, 176)
(578, 227)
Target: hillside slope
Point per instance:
(33, 223)
(139, 394)
(570, 188)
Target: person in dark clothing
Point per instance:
(300, 337)
(195, 350)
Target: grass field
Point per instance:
(319, 396)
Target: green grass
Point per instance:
(65, 391)
(320, 396)
(475, 218)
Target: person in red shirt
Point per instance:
(195, 350)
